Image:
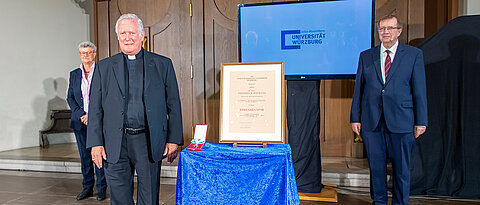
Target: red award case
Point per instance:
(200, 135)
(192, 148)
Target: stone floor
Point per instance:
(25, 187)
(41, 187)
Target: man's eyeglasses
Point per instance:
(86, 53)
(389, 28)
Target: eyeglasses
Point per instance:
(86, 53)
(389, 28)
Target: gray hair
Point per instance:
(389, 16)
(87, 44)
(130, 16)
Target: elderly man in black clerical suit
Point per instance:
(135, 117)
(78, 98)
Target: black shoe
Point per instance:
(101, 196)
(85, 194)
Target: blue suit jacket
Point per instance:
(161, 101)
(75, 98)
(402, 98)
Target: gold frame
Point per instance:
(278, 136)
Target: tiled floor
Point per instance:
(30, 187)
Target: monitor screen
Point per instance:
(315, 39)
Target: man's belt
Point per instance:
(133, 131)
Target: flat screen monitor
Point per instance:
(315, 39)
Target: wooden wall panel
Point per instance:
(338, 137)
(113, 14)
(171, 36)
(103, 25)
(199, 95)
(150, 11)
(438, 13)
(220, 47)
(416, 22)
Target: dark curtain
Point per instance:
(303, 122)
(446, 160)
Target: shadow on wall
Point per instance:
(43, 105)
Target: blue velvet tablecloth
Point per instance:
(221, 174)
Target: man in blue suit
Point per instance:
(135, 117)
(389, 109)
(78, 98)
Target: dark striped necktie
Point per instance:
(388, 63)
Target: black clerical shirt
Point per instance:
(135, 109)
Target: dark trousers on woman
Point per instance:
(87, 164)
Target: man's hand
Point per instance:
(84, 119)
(98, 154)
(356, 127)
(170, 151)
(419, 130)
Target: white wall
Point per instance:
(469, 7)
(37, 51)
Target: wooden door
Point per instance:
(170, 36)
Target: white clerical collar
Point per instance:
(131, 57)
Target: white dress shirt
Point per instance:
(383, 56)
(86, 82)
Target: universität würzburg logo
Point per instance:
(294, 39)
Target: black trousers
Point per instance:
(134, 156)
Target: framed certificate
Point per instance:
(252, 105)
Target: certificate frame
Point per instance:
(247, 93)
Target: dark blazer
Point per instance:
(161, 101)
(75, 98)
(402, 98)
